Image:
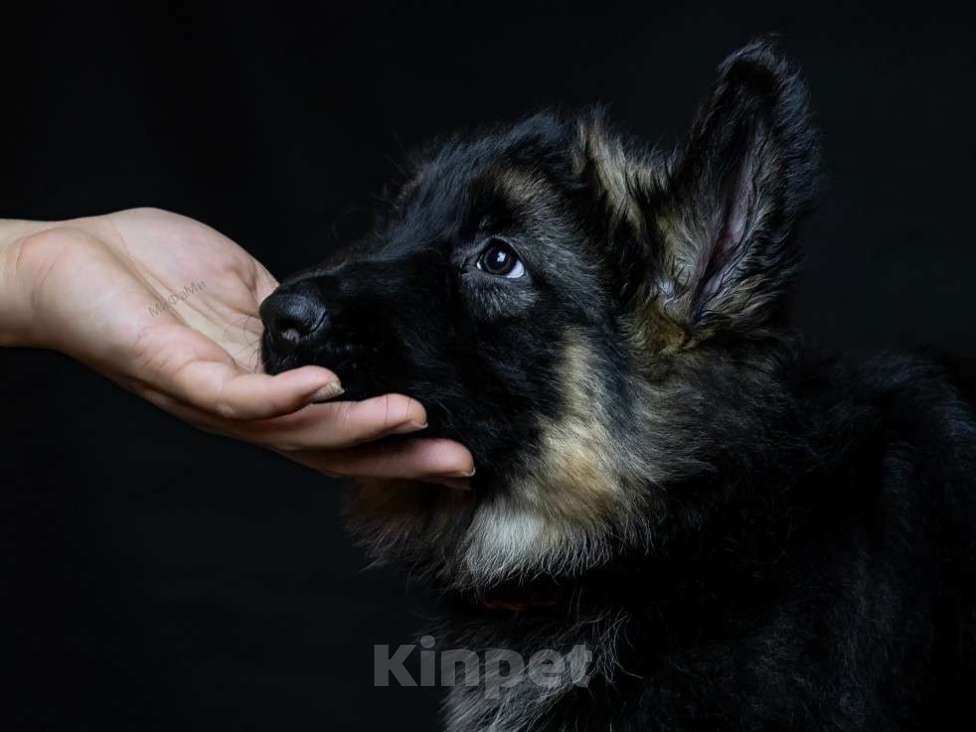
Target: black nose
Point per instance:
(292, 315)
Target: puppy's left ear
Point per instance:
(724, 218)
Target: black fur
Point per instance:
(748, 536)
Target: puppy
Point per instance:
(743, 536)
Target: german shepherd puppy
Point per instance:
(744, 537)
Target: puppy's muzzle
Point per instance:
(307, 322)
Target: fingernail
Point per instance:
(408, 427)
(327, 392)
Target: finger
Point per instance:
(225, 390)
(432, 460)
(436, 458)
(457, 484)
(317, 426)
(338, 424)
(188, 413)
(410, 459)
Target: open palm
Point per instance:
(167, 307)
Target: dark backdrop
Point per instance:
(157, 578)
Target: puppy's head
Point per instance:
(586, 315)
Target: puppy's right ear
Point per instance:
(724, 218)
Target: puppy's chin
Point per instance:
(408, 521)
(474, 540)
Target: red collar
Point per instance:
(520, 599)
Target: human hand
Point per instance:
(168, 308)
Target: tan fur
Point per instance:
(575, 478)
(578, 492)
(618, 172)
(521, 187)
(659, 321)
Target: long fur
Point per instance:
(746, 535)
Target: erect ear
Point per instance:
(721, 225)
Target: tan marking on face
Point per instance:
(578, 498)
(575, 476)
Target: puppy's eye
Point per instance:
(498, 258)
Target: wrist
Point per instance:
(17, 281)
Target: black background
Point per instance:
(156, 578)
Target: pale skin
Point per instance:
(168, 308)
